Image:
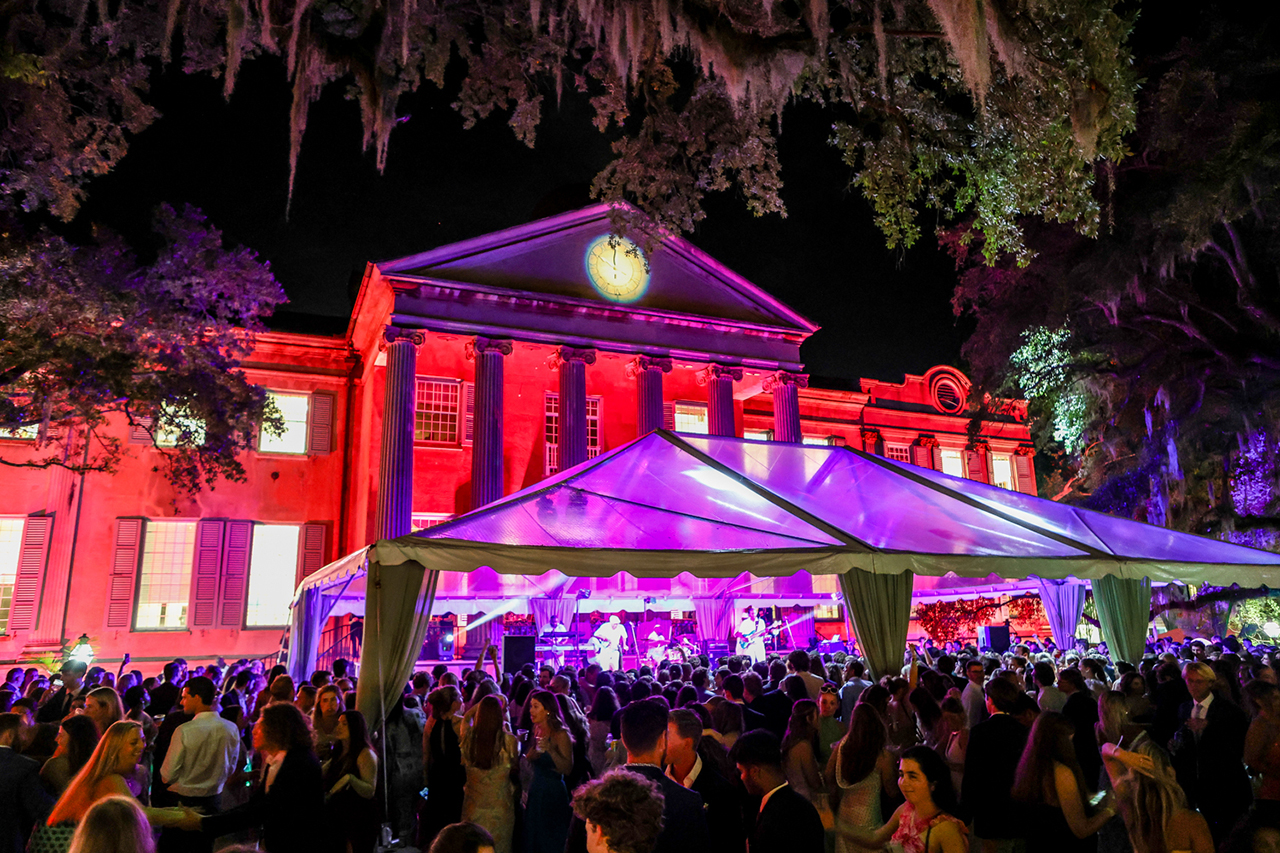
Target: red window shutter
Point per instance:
(207, 571)
(124, 570)
(937, 458)
(669, 416)
(311, 552)
(976, 465)
(468, 412)
(922, 456)
(140, 431)
(320, 427)
(235, 574)
(1024, 470)
(31, 562)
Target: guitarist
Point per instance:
(750, 634)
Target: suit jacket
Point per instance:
(788, 822)
(290, 816)
(752, 719)
(57, 706)
(1211, 770)
(23, 800)
(995, 747)
(723, 806)
(684, 828)
(775, 708)
(164, 698)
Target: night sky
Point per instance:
(883, 313)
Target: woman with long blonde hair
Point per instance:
(1152, 803)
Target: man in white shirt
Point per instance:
(750, 635)
(610, 636)
(204, 753)
(973, 698)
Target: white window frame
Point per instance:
(551, 430)
(427, 520)
(167, 437)
(150, 536)
(264, 440)
(758, 434)
(690, 409)
(447, 386)
(272, 562)
(822, 440)
(1007, 459)
(953, 454)
(904, 451)
(12, 529)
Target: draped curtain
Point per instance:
(801, 627)
(879, 608)
(1063, 603)
(545, 608)
(304, 635)
(1124, 611)
(715, 619)
(398, 602)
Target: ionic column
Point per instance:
(395, 469)
(486, 447)
(647, 371)
(786, 404)
(572, 364)
(719, 380)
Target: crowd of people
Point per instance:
(1033, 749)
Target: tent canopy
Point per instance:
(718, 507)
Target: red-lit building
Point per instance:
(467, 372)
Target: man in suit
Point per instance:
(1208, 752)
(57, 706)
(773, 707)
(722, 799)
(23, 800)
(733, 691)
(165, 697)
(990, 762)
(644, 736)
(622, 812)
(786, 820)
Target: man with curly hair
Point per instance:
(622, 811)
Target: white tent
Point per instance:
(713, 507)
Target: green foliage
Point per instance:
(1041, 367)
(91, 339)
(997, 108)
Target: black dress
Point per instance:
(445, 780)
(355, 819)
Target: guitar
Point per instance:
(745, 640)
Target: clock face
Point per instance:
(617, 271)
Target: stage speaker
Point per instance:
(715, 651)
(447, 627)
(994, 637)
(431, 643)
(516, 652)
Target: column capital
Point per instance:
(927, 440)
(717, 371)
(481, 345)
(395, 334)
(978, 445)
(870, 434)
(1024, 450)
(563, 354)
(641, 363)
(782, 377)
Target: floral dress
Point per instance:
(913, 831)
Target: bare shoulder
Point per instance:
(1186, 828)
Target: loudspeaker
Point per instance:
(994, 637)
(516, 652)
(715, 651)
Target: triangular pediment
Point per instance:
(549, 258)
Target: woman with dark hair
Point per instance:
(576, 723)
(462, 838)
(1050, 782)
(726, 723)
(350, 780)
(263, 698)
(489, 754)
(288, 805)
(794, 688)
(77, 738)
(442, 760)
(550, 755)
(926, 822)
(859, 768)
(800, 753)
(928, 717)
(877, 696)
(324, 718)
(599, 726)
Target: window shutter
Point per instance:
(975, 464)
(235, 574)
(124, 569)
(468, 412)
(669, 416)
(1025, 472)
(320, 426)
(206, 572)
(922, 456)
(31, 563)
(140, 431)
(311, 554)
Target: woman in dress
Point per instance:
(489, 755)
(350, 780)
(77, 738)
(1152, 803)
(800, 755)
(599, 723)
(859, 767)
(113, 761)
(926, 822)
(550, 754)
(324, 718)
(442, 761)
(1049, 781)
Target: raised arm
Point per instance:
(1072, 804)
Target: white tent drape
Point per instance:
(1064, 604)
(545, 608)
